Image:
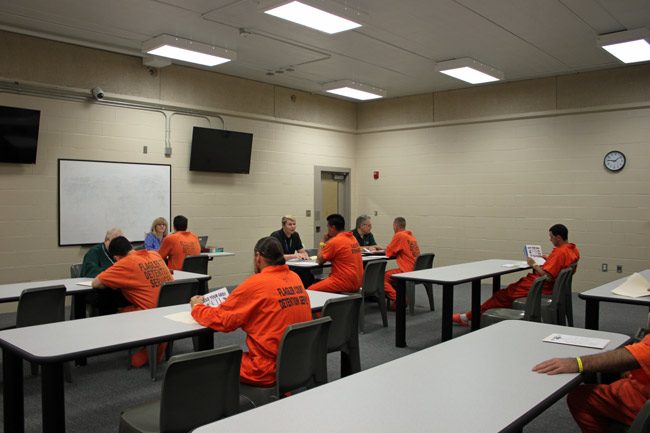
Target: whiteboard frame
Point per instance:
(140, 230)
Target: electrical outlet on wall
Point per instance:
(619, 268)
(604, 267)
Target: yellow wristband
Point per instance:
(322, 244)
(580, 367)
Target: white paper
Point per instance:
(182, 317)
(215, 298)
(635, 286)
(575, 340)
(305, 264)
(88, 283)
(535, 252)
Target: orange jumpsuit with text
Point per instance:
(594, 406)
(176, 246)
(404, 247)
(138, 276)
(263, 306)
(561, 257)
(344, 252)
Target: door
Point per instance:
(331, 195)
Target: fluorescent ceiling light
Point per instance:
(310, 16)
(187, 51)
(629, 46)
(469, 70)
(354, 90)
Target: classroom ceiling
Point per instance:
(396, 49)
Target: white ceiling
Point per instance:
(396, 49)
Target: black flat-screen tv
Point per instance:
(18, 134)
(220, 150)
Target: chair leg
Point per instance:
(569, 309)
(151, 352)
(169, 350)
(362, 315)
(429, 288)
(410, 296)
(350, 361)
(383, 309)
(67, 373)
(34, 368)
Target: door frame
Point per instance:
(318, 197)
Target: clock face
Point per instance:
(614, 161)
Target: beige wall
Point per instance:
(477, 172)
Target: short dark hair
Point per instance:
(337, 221)
(119, 246)
(180, 223)
(361, 219)
(271, 249)
(560, 230)
(400, 222)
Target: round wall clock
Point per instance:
(614, 161)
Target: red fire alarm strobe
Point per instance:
(375, 175)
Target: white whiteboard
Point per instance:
(95, 196)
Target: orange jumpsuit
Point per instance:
(593, 406)
(560, 258)
(344, 252)
(263, 306)
(138, 276)
(176, 246)
(404, 247)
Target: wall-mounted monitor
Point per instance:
(18, 135)
(220, 150)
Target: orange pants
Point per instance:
(595, 406)
(389, 290)
(333, 285)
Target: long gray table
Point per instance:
(448, 277)
(604, 293)
(450, 387)
(313, 264)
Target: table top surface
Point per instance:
(433, 389)
(11, 292)
(604, 292)
(463, 272)
(68, 339)
(314, 264)
(217, 254)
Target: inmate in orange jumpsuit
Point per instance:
(560, 258)
(263, 306)
(404, 247)
(593, 406)
(344, 252)
(138, 276)
(176, 246)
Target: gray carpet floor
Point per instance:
(103, 388)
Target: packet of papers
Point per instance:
(535, 252)
(635, 286)
(88, 283)
(576, 340)
(215, 298)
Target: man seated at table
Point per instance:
(563, 255)
(341, 249)
(404, 247)
(595, 407)
(263, 306)
(138, 275)
(290, 239)
(176, 246)
(362, 233)
(96, 260)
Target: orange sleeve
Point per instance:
(230, 315)
(117, 275)
(641, 352)
(554, 262)
(165, 248)
(329, 250)
(393, 248)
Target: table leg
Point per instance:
(476, 305)
(592, 313)
(203, 287)
(204, 341)
(13, 401)
(447, 310)
(52, 398)
(496, 284)
(400, 313)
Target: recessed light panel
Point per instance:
(309, 16)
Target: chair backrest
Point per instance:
(75, 270)
(558, 305)
(200, 388)
(311, 251)
(373, 277)
(424, 261)
(533, 311)
(344, 329)
(196, 264)
(41, 305)
(177, 292)
(641, 423)
(302, 357)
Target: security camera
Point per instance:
(98, 93)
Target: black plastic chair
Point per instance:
(171, 293)
(373, 287)
(423, 261)
(532, 312)
(556, 308)
(344, 331)
(196, 264)
(301, 363)
(198, 388)
(75, 270)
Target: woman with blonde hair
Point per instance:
(156, 235)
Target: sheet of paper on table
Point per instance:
(182, 317)
(85, 283)
(575, 340)
(635, 286)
